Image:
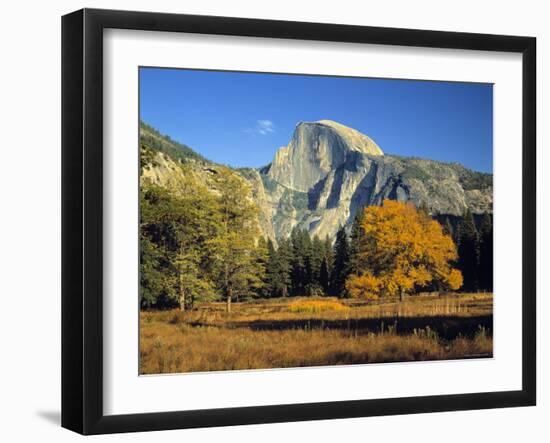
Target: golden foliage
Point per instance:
(365, 287)
(454, 279)
(312, 306)
(401, 249)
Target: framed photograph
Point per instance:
(269, 221)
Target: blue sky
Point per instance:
(241, 119)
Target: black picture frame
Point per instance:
(82, 219)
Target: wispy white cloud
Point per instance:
(263, 127)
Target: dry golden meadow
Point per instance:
(283, 333)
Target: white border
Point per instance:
(125, 392)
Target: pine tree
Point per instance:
(277, 270)
(326, 266)
(448, 227)
(468, 252)
(284, 267)
(297, 263)
(301, 261)
(261, 255)
(317, 259)
(355, 236)
(307, 253)
(341, 268)
(270, 270)
(329, 252)
(324, 277)
(486, 253)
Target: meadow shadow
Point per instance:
(446, 327)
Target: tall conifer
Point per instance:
(486, 253)
(355, 236)
(341, 268)
(468, 252)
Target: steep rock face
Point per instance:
(326, 174)
(264, 200)
(315, 150)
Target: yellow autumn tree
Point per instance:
(401, 249)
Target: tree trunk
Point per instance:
(182, 293)
(229, 296)
(402, 296)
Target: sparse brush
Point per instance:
(426, 333)
(481, 335)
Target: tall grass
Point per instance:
(317, 306)
(169, 348)
(313, 333)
